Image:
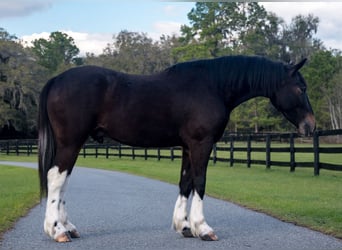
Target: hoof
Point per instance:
(209, 237)
(64, 237)
(74, 234)
(186, 232)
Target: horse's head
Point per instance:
(291, 100)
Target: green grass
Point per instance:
(19, 191)
(299, 197)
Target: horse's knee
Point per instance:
(185, 187)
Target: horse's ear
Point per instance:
(295, 68)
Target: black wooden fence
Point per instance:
(232, 148)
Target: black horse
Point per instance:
(187, 104)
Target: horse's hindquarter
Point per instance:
(73, 103)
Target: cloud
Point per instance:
(164, 28)
(91, 42)
(288, 10)
(16, 8)
(96, 42)
(329, 13)
(173, 13)
(30, 38)
(86, 42)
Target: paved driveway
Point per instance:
(119, 211)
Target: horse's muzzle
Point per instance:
(307, 126)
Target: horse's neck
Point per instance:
(244, 93)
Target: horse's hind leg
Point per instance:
(52, 223)
(56, 223)
(63, 216)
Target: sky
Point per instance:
(92, 23)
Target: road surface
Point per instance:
(120, 211)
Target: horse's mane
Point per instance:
(235, 72)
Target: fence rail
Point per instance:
(232, 148)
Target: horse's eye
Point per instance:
(301, 90)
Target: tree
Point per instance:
(57, 52)
(20, 92)
(5, 36)
(335, 102)
(298, 39)
(228, 28)
(332, 90)
(262, 37)
(134, 52)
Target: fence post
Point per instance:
(158, 154)
(172, 153)
(316, 153)
(96, 151)
(107, 151)
(7, 147)
(292, 153)
(28, 148)
(133, 153)
(231, 151)
(145, 154)
(214, 153)
(268, 151)
(249, 138)
(31, 149)
(17, 147)
(119, 149)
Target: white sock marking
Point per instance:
(179, 221)
(197, 221)
(52, 224)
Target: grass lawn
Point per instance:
(19, 191)
(299, 197)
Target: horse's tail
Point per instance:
(46, 140)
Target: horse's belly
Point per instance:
(152, 141)
(147, 136)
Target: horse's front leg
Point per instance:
(199, 226)
(200, 154)
(180, 219)
(53, 225)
